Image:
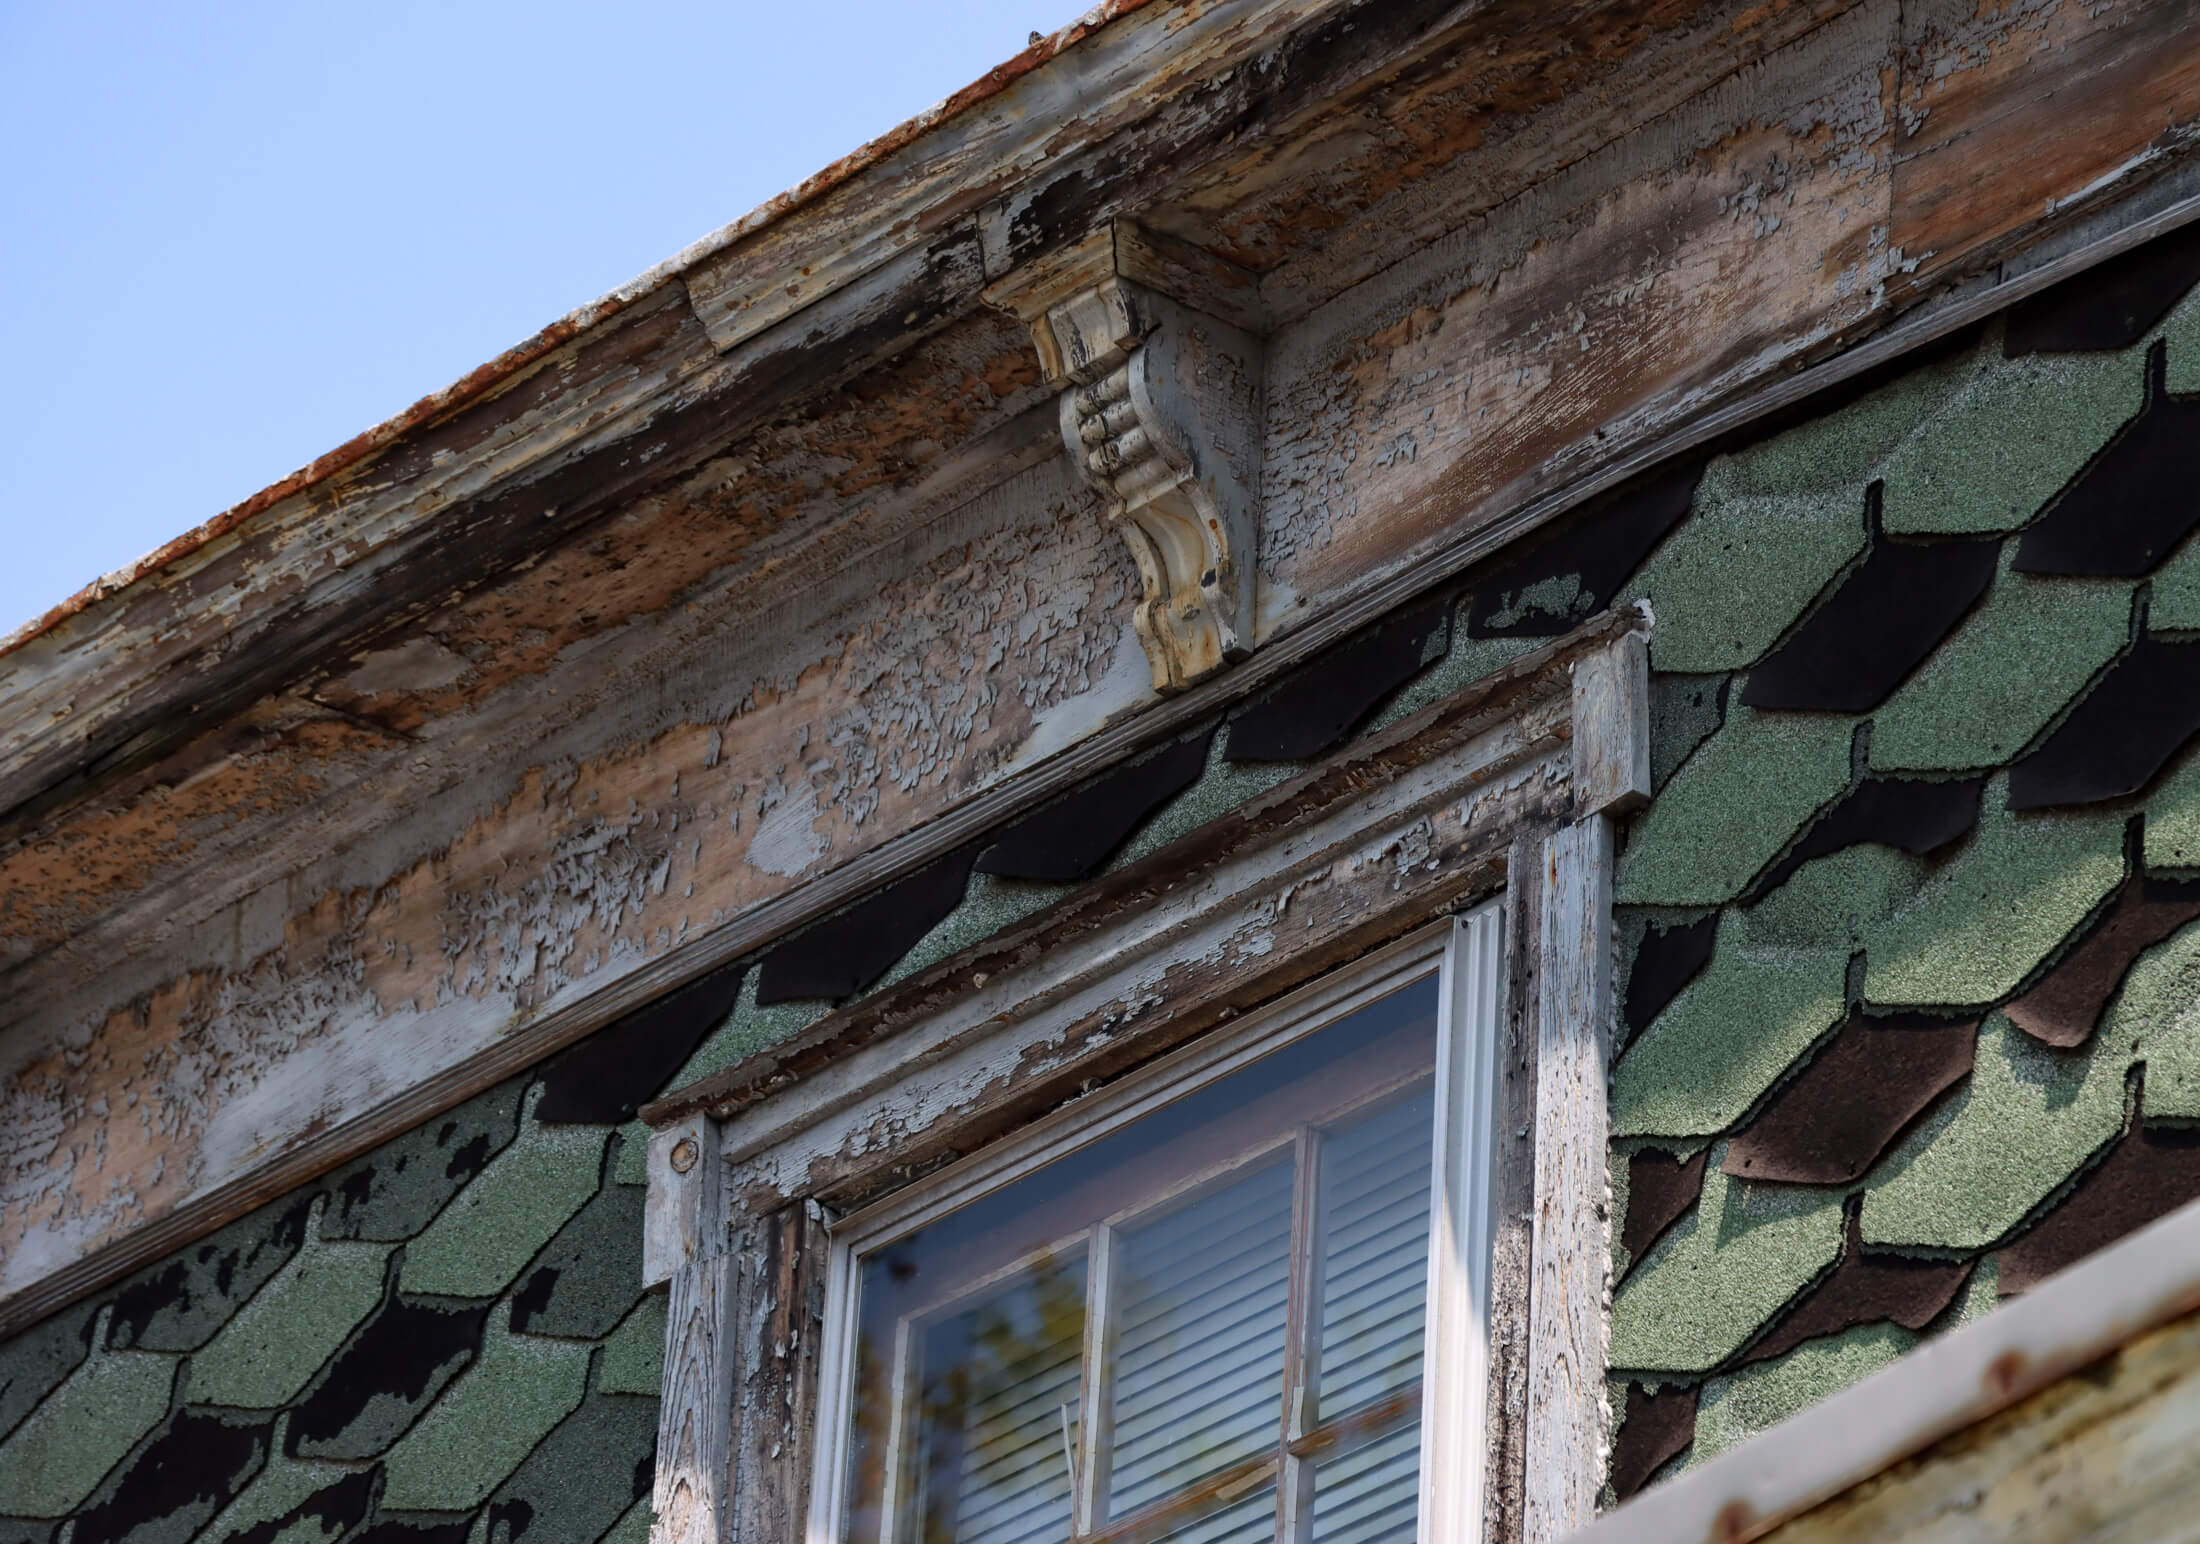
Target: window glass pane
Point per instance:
(1198, 1198)
(1371, 1495)
(1251, 1521)
(1204, 1295)
(996, 1410)
(1375, 1178)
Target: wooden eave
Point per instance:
(850, 268)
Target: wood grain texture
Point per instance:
(1486, 735)
(2109, 1454)
(1126, 76)
(695, 1419)
(1512, 1198)
(683, 1219)
(1612, 728)
(780, 1322)
(1569, 1423)
(2012, 112)
(687, 1245)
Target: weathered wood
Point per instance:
(1512, 1197)
(696, 1417)
(685, 1243)
(2013, 112)
(1612, 728)
(1569, 1423)
(1049, 1020)
(1494, 727)
(776, 1398)
(1330, 864)
(634, 422)
(1568, 285)
(1127, 75)
(1161, 413)
(683, 1219)
(2110, 1454)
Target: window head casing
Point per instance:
(922, 1110)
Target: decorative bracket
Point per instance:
(1161, 412)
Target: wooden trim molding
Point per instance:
(1569, 1425)
(937, 1080)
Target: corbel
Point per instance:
(1161, 413)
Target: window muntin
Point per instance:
(1243, 1275)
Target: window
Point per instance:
(1209, 1203)
(1195, 1307)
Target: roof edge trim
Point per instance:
(486, 377)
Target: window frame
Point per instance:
(1466, 954)
(1511, 783)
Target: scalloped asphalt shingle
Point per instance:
(2023, 1124)
(1726, 1037)
(1759, 1245)
(274, 1345)
(2156, 1019)
(492, 1228)
(485, 1424)
(1744, 794)
(1979, 927)
(58, 1456)
(1991, 687)
(1962, 472)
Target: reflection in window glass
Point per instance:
(1202, 1297)
(1142, 1340)
(998, 1396)
(1251, 1521)
(1371, 1494)
(1375, 1210)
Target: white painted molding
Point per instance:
(1239, 920)
(1455, 1423)
(1940, 1388)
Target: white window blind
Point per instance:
(1202, 1297)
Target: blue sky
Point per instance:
(240, 233)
